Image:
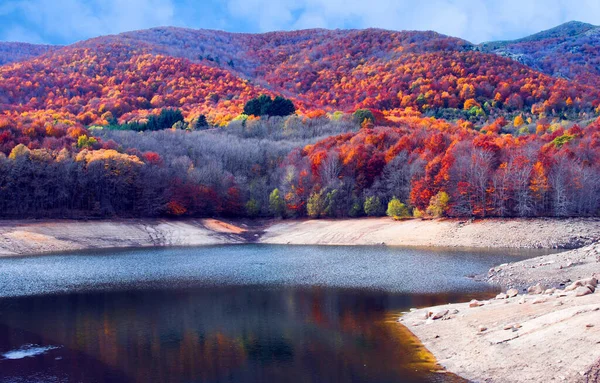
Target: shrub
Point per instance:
(363, 114)
(373, 207)
(356, 209)
(438, 204)
(397, 209)
(252, 208)
(315, 206)
(276, 204)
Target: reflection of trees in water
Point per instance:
(231, 334)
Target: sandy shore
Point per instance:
(498, 233)
(33, 237)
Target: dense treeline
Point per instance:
(157, 173)
(452, 172)
(322, 167)
(174, 122)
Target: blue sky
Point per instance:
(67, 21)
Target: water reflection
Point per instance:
(217, 334)
(247, 313)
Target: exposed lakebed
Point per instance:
(244, 313)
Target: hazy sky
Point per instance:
(67, 21)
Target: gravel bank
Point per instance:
(513, 233)
(555, 270)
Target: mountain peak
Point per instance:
(568, 29)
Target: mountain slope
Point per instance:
(570, 51)
(214, 73)
(14, 52)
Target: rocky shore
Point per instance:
(546, 332)
(554, 270)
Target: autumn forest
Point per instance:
(172, 122)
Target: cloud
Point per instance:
(474, 20)
(72, 20)
(66, 21)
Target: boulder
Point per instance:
(501, 296)
(475, 303)
(511, 293)
(573, 286)
(535, 290)
(582, 290)
(439, 314)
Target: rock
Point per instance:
(591, 282)
(508, 327)
(482, 328)
(556, 304)
(592, 288)
(511, 293)
(549, 291)
(535, 290)
(522, 300)
(538, 300)
(589, 325)
(573, 286)
(582, 290)
(501, 296)
(439, 314)
(475, 303)
(454, 311)
(412, 310)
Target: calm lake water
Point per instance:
(247, 313)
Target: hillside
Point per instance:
(129, 76)
(14, 52)
(569, 51)
(455, 131)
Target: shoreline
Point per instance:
(558, 333)
(24, 237)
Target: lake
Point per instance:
(237, 313)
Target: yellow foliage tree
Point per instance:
(518, 122)
(438, 205)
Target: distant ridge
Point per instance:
(568, 29)
(15, 51)
(570, 51)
